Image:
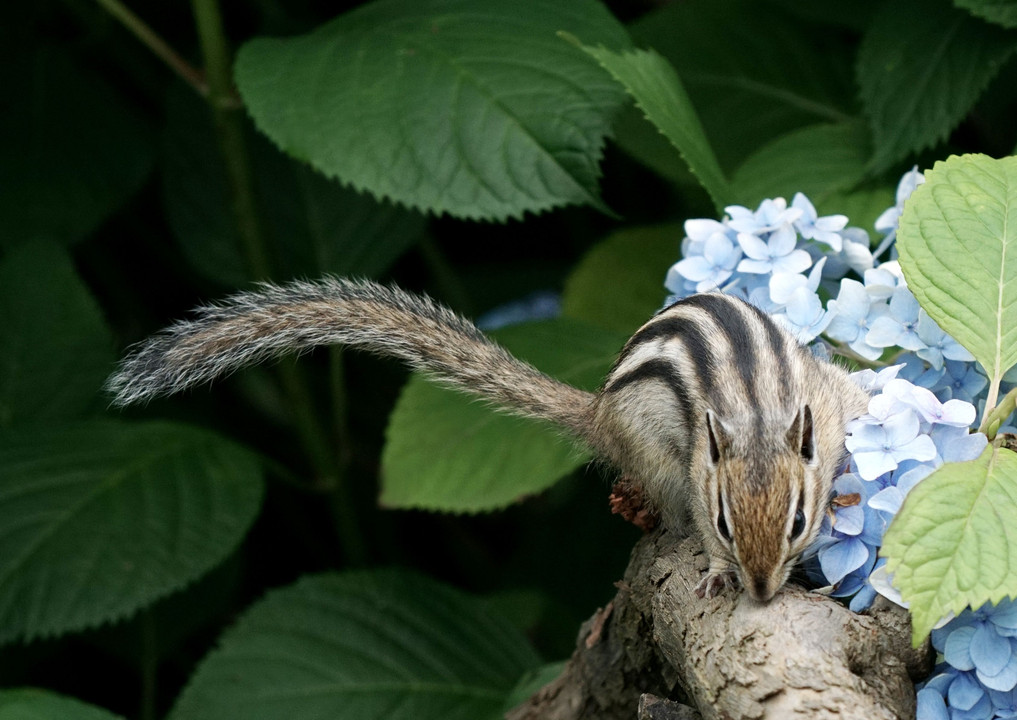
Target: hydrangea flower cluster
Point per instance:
(785, 259)
(978, 678)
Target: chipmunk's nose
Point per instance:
(761, 588)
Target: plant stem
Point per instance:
(159, 47)
(229, 126)
(231, 134)
(149, 665)
(344, 510)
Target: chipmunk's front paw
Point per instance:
(714, 581)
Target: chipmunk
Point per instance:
(717, 411)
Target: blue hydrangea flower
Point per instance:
(821, 229)
(938, 345)
(850, 538)
(983, 642)
(804, 315)
(1004, 704)
(777, 253)
(961, 381)
(899, 327)
(877, 448)
(887, 222)
(712, 269)
(771, 215)
(854, 313)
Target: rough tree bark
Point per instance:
(657, 649)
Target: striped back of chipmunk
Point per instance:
(706, 351)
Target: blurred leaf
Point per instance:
(922, 65)
(32, 704)
(316, 225)
(619, 284)
(645, 144)
(73, 151)
(55, 349)
(659, 93)
(469, 107)
(752, 72)
(1000, 12)
(817, 160)
(379, 644)
(958, 249)
(954, 544)
(99, 520)
(447, 452)
(532, 681)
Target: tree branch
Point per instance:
(801, 655)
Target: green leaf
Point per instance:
(921, 67)
(447, 452)
(314, 224)
(469, 107)
(818, 160)
(73, 151)
(379, 644)
(32, 704)
(99, 520)
(1000, 12)
(659, 93)
(954, 542)
(958, 250)
(532, 682)
(55, 349)
(753, 73)
(619, 284)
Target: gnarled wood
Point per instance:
(800, 655)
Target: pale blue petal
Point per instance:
(957, 650)
(841, 559)
(873, 463)
(989, 652)
(921, 448)
(931, 706)
(965, 692)
(1005, 679)
(753, 246)
(888, 500)
(884, 331)
(849, 520)
(1004, 615)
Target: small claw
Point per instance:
(713, 582)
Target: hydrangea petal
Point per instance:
(957, 650)
(849, 520)
(1005, 679)
(965, 692)
(842, 558)
(931, 706)
(989, 652)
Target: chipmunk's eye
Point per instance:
(798, 527)
(722, 527)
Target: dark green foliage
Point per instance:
(384, 139)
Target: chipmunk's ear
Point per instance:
(801, 436)
(718, 436)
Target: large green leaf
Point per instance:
(314, 224)
(658, 91)
(72, 149)
(958, 250)
(447, 452)
(55, 350)
(619, 284)
(921, 66)
(360, 646)
(1001, 12)
(32, 704)
(954, 542)
(752, 72)
(98, 520)
(818, 160)
(469, 107)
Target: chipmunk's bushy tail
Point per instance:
(250, 327)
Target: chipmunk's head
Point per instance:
(765, 498)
